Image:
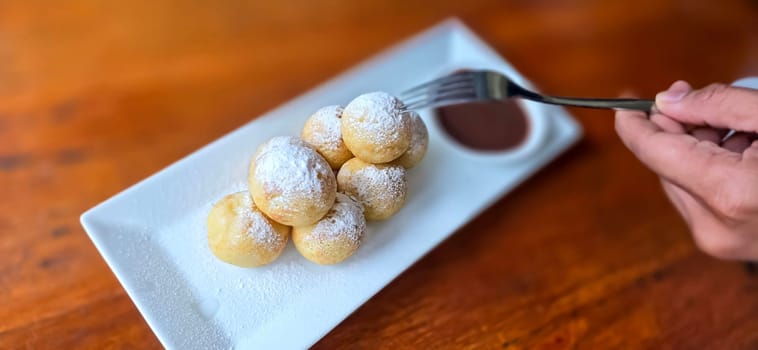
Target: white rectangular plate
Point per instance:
(153, 234)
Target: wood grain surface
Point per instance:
(97, 95)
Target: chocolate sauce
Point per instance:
(485, 126)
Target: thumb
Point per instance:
(715, 105)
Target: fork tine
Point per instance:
(442, 93)
(439, 89)
(426, 104)
(455, 77)
(431, 85)
(443, 98)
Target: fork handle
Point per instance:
(604, 103)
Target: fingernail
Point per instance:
(675, 93)
(671, 96)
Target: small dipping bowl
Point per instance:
(493, 131)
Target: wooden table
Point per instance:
(96, 95)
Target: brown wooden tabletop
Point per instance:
(97, 95)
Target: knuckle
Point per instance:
(732, 202)
(716, 244)
(713, 93)
(633, 146)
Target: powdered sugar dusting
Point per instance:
(382, 121)
(248, 299)
(385, 182)
(288, 167)
(380, 188)
(327, 129)
(344, 220)
(419, 136)
(256, 226)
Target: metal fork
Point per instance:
(484, 85)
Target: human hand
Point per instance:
(712, 183)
